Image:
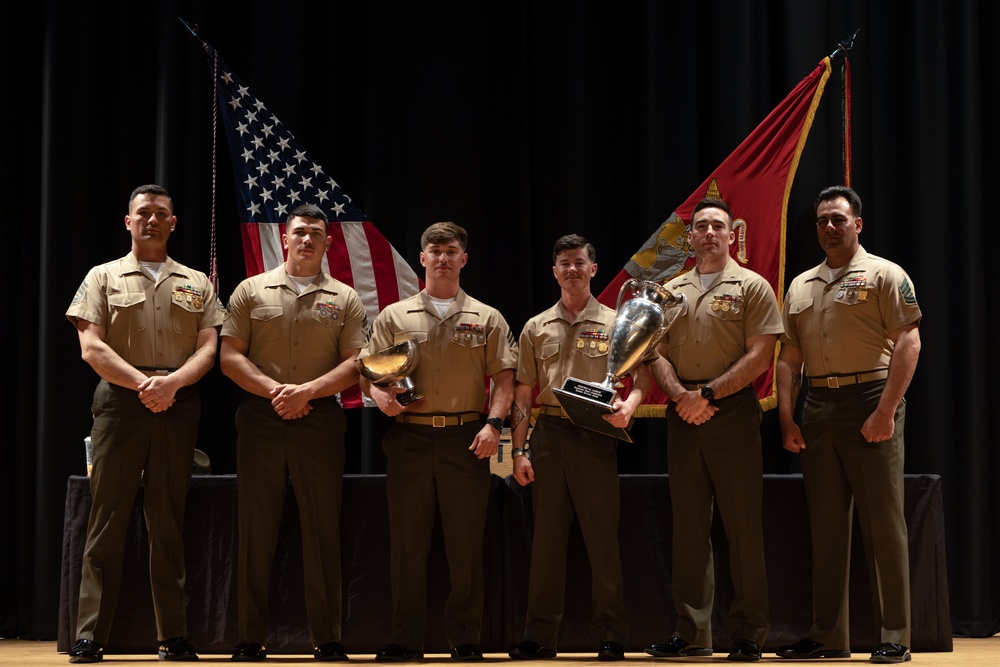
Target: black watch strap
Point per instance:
(496, 423)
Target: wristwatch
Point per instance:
(520, 451)
(496, 423)
(708, 393)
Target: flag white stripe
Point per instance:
(361, 265)
(270, 245)
(406, 279)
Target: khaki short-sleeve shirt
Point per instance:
(554, 347)
(711, 332)
(456, 352)
(294, 338)
(843, 325)
(148, 323)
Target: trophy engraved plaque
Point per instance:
(639, 325)
(390, 367)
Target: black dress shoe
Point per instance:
(249, 653)
(397, 653)
(677, 648)
(330, 651)
(890, 653)
(468, 652)
(177, 648)
(807, 649)
(611, 651)
(86, 650)
(529, 650)
(744, 650)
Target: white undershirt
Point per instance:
(154, 269)
(833, 272)
(442, 305)
(302, 282)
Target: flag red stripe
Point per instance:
(337, 256)
(383, 266)
(253, 255)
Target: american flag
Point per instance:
(274, 174)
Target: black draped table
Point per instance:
(645, 533)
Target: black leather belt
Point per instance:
(847, 379)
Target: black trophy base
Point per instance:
(408, 397)
(586, 404)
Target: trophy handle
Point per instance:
(630, 283)
(671, 312)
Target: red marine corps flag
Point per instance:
(755, 180)
(274, 174)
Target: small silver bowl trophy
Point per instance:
(390, 368)
(639, 325)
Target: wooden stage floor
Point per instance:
(20, 653)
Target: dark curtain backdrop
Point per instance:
(521, 120)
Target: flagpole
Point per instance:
(845, 103)
(845, 46)
(213, 259)
(193, 31)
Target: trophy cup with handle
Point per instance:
(639, 325)
(390, 368)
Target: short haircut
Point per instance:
(150, 189)
(835, 191)
(713, 202)
(443, 233)
(309, 211)
(572, 242)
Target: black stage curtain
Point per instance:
(645, 533)
(522, 121)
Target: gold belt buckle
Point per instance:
(438, 421)
(833, 382)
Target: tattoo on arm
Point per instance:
(518, 414)
(796, 383)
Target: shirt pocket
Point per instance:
(185, 317)
(127, 309)
(800, 306)
(267, 324)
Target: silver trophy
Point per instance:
(390, 368)
(639, 325)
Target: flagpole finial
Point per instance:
(191, 28)
(845, 45)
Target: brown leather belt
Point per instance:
(694, 386)
(837, 381)
(155, 372)
(551, 411)
(439, 421)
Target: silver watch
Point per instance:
(520, 451)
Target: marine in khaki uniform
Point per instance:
(709, 360)
(438, 451)
(148, 327)
(574, 470)
(851, 325)
(290, 340)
